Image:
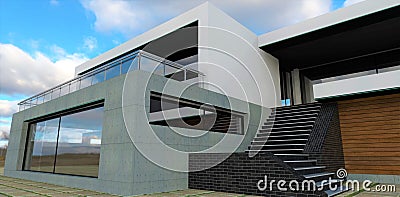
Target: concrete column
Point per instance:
(296, 85)
(308, 90)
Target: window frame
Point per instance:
(58, 115)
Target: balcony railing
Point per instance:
(138, 60)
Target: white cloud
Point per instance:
(351, 2)
(54, 2)
(134, 17)
(7, 108)
(122, 16)
(4, 132)
(90, 43)
(116, 42)
(21, 73)
(4, 121)
(4, 135)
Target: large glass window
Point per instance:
(69, 144)
(79, 142)
(42, 146)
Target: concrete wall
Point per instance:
(359, 84)
(135, 157)
(233, 63)
(228, 55)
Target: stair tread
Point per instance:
(309, 168)
(283, 149)
(293, 120)
(298, 161)
(273, 119)
(296, 107)
(286, 127)
(288, 123)
(301, 105)
(291, 154)
(302, 130)
(318, 174)
(287, 140)
(279, 145)
(295, 111)
(294, 115)
(290, 135)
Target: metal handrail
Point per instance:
(104, 68)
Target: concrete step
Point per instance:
(319, 176)
(284, 132)
(298, 106)
(301, 163)
(310, 118)
(301, 108)
(310, 169)
(284, 127)
(275, 124)
(277, 146)
(283, 113)
(286, 136)
(260, 142)
(293, 116)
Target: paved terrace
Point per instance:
(11, 187)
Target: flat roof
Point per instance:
(365, 94)
(326, 20)
(354, 39)
(146, 37)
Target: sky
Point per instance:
(41, 42)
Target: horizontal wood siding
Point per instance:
(371, 134)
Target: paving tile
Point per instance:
(104, 195)
(16, 187)
(22, 193)
(86, 193)
(59, 194)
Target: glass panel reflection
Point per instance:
(113, 71)
(79, 143)
(85, 82)
(99, 77)
(68, 145)
(41, 147)
(151, 66)
(129, 65)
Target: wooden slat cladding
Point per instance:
(371, 134)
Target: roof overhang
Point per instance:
(360, 37)
(187, 18)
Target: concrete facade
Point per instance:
(123, 169)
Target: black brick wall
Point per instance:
(325, 141)
(240, 174)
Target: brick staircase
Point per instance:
(285, 134)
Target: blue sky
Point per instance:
(42, 41)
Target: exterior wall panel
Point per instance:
(371, 134)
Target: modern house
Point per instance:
(202, 102)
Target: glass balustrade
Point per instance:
(139, 60)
